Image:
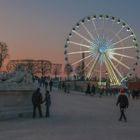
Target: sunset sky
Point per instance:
(37, 29)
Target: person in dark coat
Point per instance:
(46, 84)
(51, 85)
(123, 103)
(93, 90)
(88, 89)
(47, 101)
(37, 101)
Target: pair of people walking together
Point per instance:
(37, 100)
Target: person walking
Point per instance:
(51, 85)
(37, 101)
(47, 101)
(88, 89)
(46, 84)
(93, 90)
(123, 103)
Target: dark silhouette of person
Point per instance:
(47, 101)
(133, 94)
(93, 89)
(40, 82)
(88, 89)
(67, 87)
(46, 84)
(123, 103)
(37, 101)
(50, 85)
(63, 85)
(101, 92)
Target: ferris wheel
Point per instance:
(107, 47)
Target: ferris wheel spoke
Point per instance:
(112, 72)
(103, 27)
(89, 63)
(109, 71)
(89, 33)
(120, 41)
(122, 48)
(115, 68)
(116, 34)
(78, 52)
(93, 66)
(79, 44)
(81, 59)
(95, 27)
(124, 65)
(111, 28)
(100, 79)
(122, 55)
(77, 33)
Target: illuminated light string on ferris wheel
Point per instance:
(79, 44)
(81, 36)
(94, 26)
(111, 69)
(88, 31)
(89, 74)
(81, 60)
(122, 48)
(115, 68)
(102, 51)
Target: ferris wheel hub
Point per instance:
(102, 49)
(102, 44)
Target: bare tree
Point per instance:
(36, 67)
(3, 52)
(56, 69)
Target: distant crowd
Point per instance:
(43, 81)
(91, 89)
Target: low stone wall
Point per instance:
(15, 103)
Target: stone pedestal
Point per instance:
(15, 103)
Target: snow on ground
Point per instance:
(76, 116)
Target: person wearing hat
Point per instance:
(123, 103)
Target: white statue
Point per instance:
(17, 76)
(17, 80)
